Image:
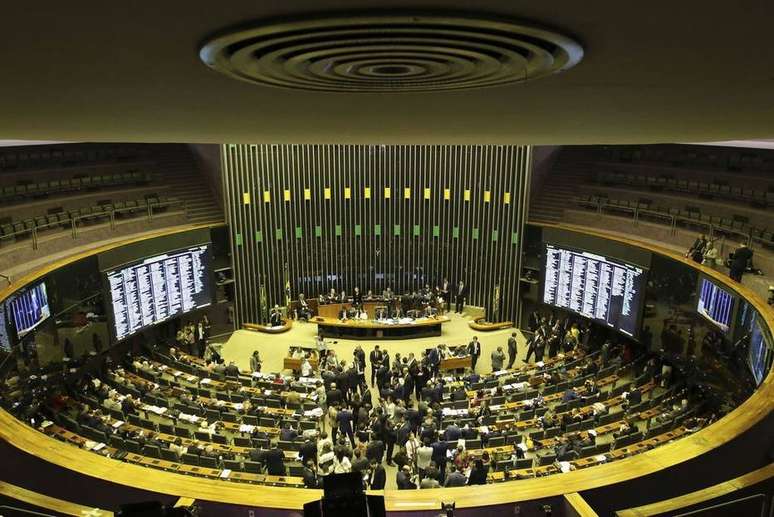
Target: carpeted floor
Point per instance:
(274, 347)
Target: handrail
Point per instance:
(711, 229)
(72, 221)
(742, 418)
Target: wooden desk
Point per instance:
(289, 363)
(268, 329)
(488, 326)
(369, 329)
(456, 363)
(331, 310)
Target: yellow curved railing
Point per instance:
(734, 423)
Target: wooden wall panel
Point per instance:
(322, 216)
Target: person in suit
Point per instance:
(310, 475)
(445, 293)
(512, 350)
(459, 296)
(403, 479)
(474, 350)
(357, 298)
(255, 361)
(498, 358)
(343, 313)
(303, 312)
(696, 251)
(378, 476)
(376, 361)
(274, 459)
(275, 318)
(739, 261)
(345, 424)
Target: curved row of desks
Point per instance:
(671, 455)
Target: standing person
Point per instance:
(711, 255)
(498, 358)
(696, 251)
(255, 362)
(742, 256)
(378, 477)
(512, 350)
(460, 295)
(445, 293)
(322, 349)
(376, 361)
(474, 350)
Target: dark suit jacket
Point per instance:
(378, 478)
(474, 348)
(275, 462)
(403, 481)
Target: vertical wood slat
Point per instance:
(407, 262)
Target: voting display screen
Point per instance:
(29, 308)
(159, 288)
(608, 291)
(715, 304)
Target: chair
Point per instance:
(219, 438)
(132, 446)
(182, 432)
(152, 451)
(547, 459)
(473, 444)
(524, 463)
(240, 441)
(208, 462)
(190, 459)
(252, 466)
(169, 455)
(232, 465)
(495, 441)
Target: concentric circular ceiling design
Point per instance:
(390, 54)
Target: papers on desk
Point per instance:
(155, 409)
(246, 428)
(483, 429)
(192, 378)
(189, 418)
(90, 445)
(564, 466)
(592, 432)
(498, 373)
(540, 364)
(46, 424)
(601, 458)
(206, 380)
(177, 373)
(238, 406)
(98, 447)
(316, 412)
(454, 412)
(117, 424)
(225, 473)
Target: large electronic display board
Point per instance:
(158, 288)
(715, 304)
(751, 329)
(606, 290)
(28, 308)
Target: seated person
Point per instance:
(362, 315)
(332, 298)
(343, 316)
(275, 318)
(303, 312)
